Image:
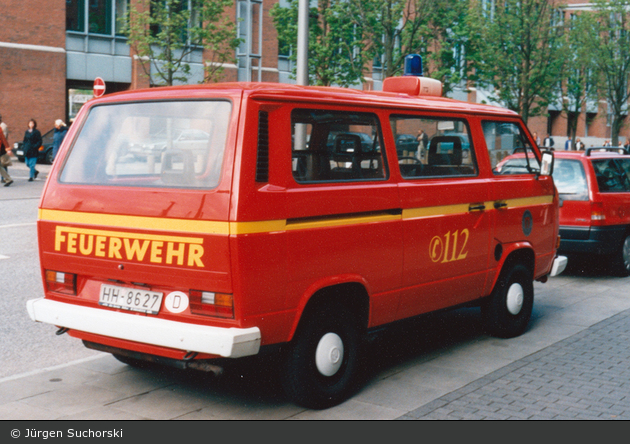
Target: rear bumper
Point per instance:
(593, 240)
(226, 342)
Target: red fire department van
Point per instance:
(185, 224)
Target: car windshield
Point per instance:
(151, 144)
(570, 179)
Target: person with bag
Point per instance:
(60, 132)
(31, 143)
(5, 159)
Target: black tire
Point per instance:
(333, 380)
(49, 157)
(509, 308)
(621, 259)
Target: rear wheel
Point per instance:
(507, 312)
(323, 361)
(621, 259)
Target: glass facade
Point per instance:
(103, 17)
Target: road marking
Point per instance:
(28, 224)
(48, 369)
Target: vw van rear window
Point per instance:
(150, 144)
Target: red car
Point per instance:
(594, 188)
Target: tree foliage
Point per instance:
(432, 28)
(516, 47)
(337, 48)
(579, 75)
(609, 43)
(165, 33)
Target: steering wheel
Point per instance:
(410, 169)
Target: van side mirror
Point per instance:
(546, 168)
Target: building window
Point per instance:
(249, 53)
(102, 17)
(75, 15)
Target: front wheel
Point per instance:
(507, 312)
(323, 361)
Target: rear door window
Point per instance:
(570, 179)
(150, 144)
(612, 175)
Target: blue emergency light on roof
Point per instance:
(413, 65)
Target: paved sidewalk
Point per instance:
(584, 377)
(572, 363)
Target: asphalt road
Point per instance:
(24, 344)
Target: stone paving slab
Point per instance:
(583, 377)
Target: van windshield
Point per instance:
(150, 144)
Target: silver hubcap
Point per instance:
(329, 354)
(515, 298)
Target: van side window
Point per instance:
(430, 147)
(329, 145)
(509, 149)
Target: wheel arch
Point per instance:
(352, 296)
(513, 254)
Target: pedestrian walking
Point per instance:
(537, 139)
(548, 142)
(567, 145)
(31, 143)
(5, 158)
(423, 143)
(61, 129)
(5, 130)
(579, 145)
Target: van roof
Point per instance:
(322, 94)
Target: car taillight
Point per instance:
(60, 282)
(210, 303)
(597, 212)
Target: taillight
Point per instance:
(210, 303)
(60, 282)
(597, 212)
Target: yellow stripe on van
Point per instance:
(136, 222)
(529, 201)
(269, 226)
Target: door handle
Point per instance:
(476, 207)
(500, 204)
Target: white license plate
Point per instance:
(134, 299)
(19, 153)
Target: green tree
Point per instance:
(579, 75)
(166, 32)
(434, 29)
(610, 45)
(515, 47)
(337, 49)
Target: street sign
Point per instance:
(99, 87)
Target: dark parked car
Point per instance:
(45, 151)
